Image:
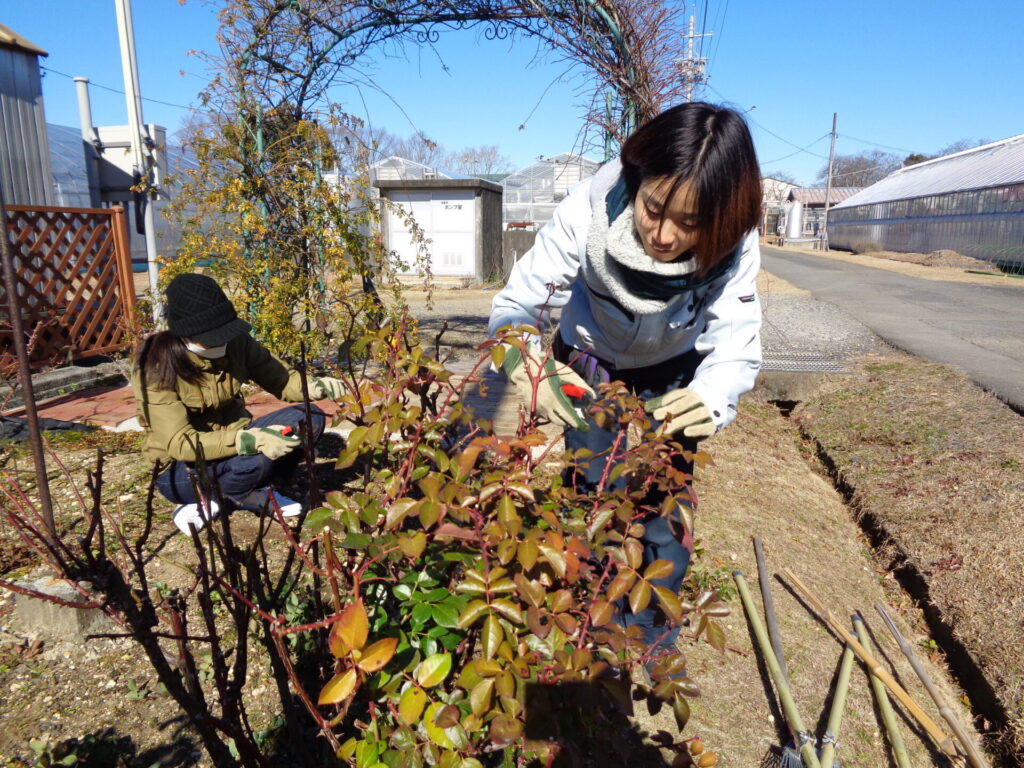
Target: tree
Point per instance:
(860, 170)
(915, 158)
(479, 160)
(950, 149)
(783, 176)
(959, 146)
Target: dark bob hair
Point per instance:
(709, 147)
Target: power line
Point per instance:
(703, 28)
(875, 143)
(797, 147)
(862, 170)
(791, 154)
(115, 90)
(721, 31)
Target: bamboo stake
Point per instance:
(835, 716)
(973, 755)
(944, 742)
(892, 729)
(807, 753)
(769, 606)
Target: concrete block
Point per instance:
(794, 387)
(41, 618)
(67, 379)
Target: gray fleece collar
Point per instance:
(620, 244)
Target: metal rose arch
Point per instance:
(289, 52)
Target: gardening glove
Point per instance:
(682, 410)
(326, 387)
(273, 441)
(557, 386)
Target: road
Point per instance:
(979, 328)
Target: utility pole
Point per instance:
(828, 184)
(692, 68)
(142, 157)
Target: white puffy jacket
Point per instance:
(721, 319)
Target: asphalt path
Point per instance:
(979, 328)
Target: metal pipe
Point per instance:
(941, 739)
(25, 375)
(133, 95)
(785, 696)
(90, 140)
(973, 755)
(892, 729)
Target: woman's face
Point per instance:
(666, 232)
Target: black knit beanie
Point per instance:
(197, 309)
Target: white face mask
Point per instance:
(210, 353)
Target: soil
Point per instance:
(767, 480)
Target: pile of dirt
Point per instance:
(942, 258)
(932, 465)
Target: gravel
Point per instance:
(803, 325)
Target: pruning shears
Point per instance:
(578, 393)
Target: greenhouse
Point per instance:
(71, 188)
(971, 202)
(531, 194)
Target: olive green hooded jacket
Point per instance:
(211, 412)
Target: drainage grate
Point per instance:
(800, 363)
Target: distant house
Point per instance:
(971, 202)
(531, 193)
(774, 194)
(805, 210)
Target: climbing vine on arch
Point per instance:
(283, 210)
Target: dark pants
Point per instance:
(663, 538)
(238, 475)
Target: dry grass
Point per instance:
(762, 484)
(933, 463)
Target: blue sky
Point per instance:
(912, 76)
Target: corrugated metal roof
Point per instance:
(991, 165)
(817, 196)
(9, 37)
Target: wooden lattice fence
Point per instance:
(73, 276)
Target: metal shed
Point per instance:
(25, 175)
(460, 217)
(971, 202)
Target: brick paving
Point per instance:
(114, 407)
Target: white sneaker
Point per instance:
(259, 500)
(191, 515)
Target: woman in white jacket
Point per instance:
(653, 263)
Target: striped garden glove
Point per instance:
(326, 387)
(682, 410)
(273, 441)
(555, 383)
